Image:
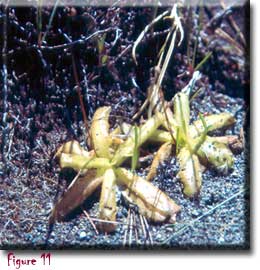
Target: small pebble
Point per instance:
(82, 235)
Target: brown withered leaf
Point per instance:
(76, 194)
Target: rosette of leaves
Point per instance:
(102, 167)
(195, 150)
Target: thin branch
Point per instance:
(234, 24)
(65, 45)
(78, 41)
(221, 33)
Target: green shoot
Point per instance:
(203, 61)
(177, 140)
(196, 94)
(202, 137)
(101, 43)
(104, 59)
(135, 156)
(101, 50)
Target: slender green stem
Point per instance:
(203, 61)
(135, 152)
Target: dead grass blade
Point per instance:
(90, 220)
(156, 98)
(146, 29)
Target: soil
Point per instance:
(40, 110)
